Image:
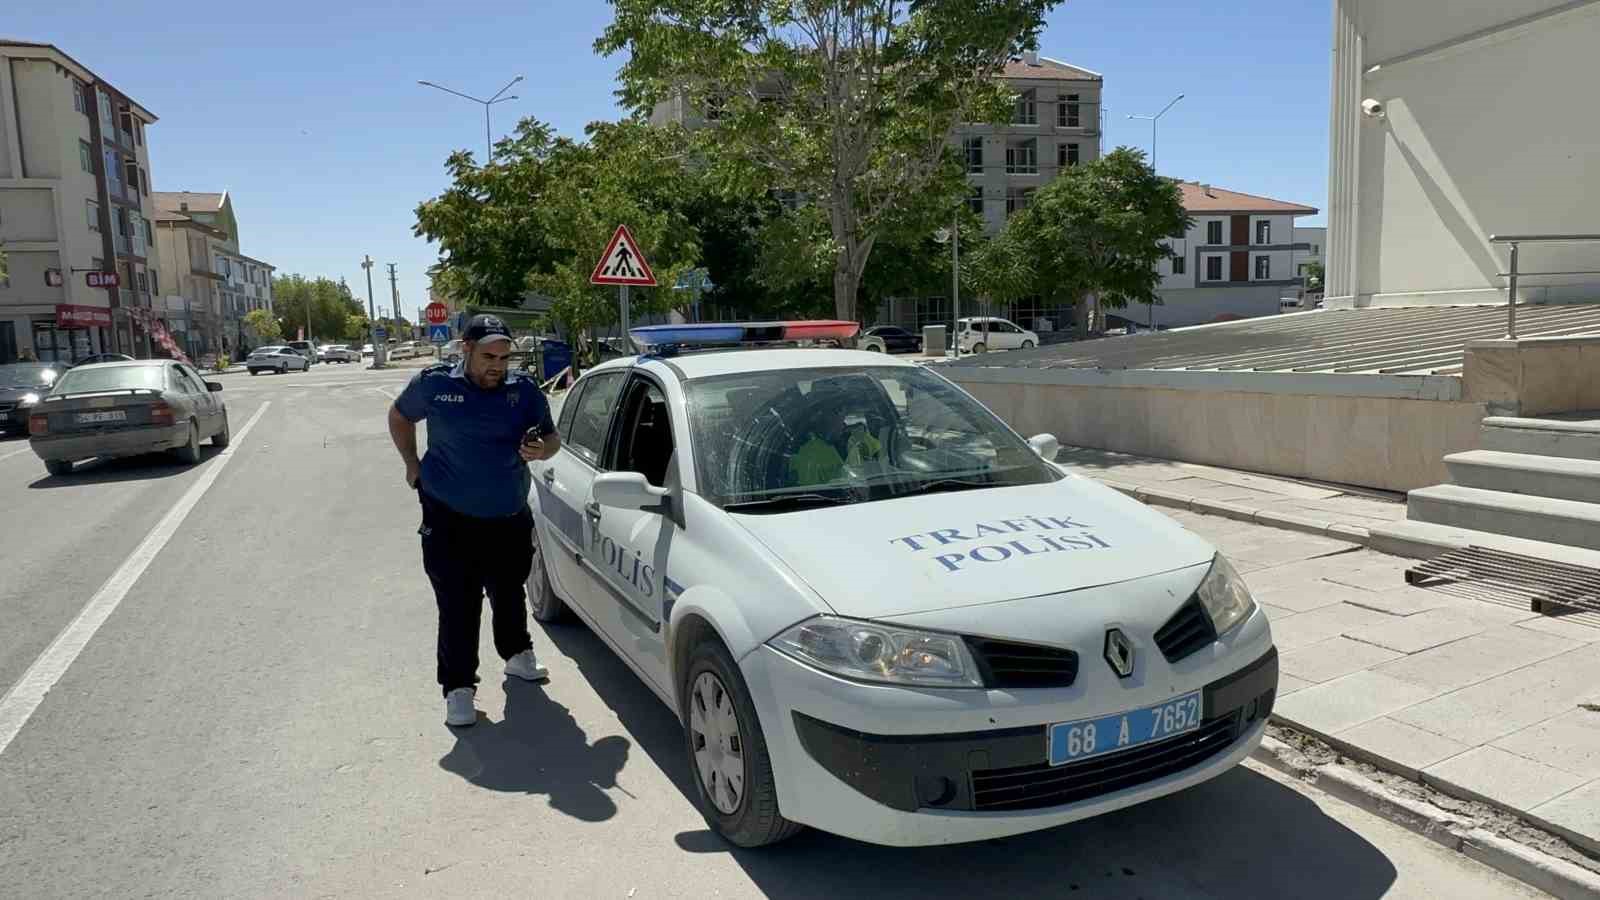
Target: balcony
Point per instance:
(122, 243)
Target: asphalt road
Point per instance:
(255, 716)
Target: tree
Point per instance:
(1098, 228)
(330, 306)
(1314, 275)
(848, 103)
(261, 322)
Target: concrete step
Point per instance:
(1543, 437)
(1425, 540)
(1560, 477)
(1556, 521)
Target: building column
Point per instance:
(1341, 266)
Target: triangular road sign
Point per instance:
(622, 263)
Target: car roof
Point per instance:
(732, 362)
(129, 363)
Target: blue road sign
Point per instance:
(439, 333)
(380, 333)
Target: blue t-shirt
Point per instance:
(472, 464)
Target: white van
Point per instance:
(980, 334)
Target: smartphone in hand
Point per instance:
(532, 434)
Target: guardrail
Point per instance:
(1515, 240)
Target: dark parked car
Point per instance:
(890, 339)
(22, 385)
(126, 409)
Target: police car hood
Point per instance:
(941, 551)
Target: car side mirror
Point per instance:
(213, 387)
(1045, 445)
(630, 490)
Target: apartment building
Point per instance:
(81, 268)
(212, 285)
(1239, 259)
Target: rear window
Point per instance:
(111, 378)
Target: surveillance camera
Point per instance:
(1372, 109)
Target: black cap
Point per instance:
(486, 328)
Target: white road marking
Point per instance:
(387, 393)
(6, 456)
(19, 703)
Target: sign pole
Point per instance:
(623, 291)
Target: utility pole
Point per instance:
(394, 293)
(372, 314)
(380, 350)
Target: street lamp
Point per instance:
(1153, 119)
(488, 140)
(952, 236)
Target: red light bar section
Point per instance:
(820, 330)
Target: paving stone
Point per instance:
(1568, 741)
(1415, 633)
(1401, 601)
(1491, 612)
(1333, 658)
(1217, 490)
(1577, 811)
(1288, 684)
(1278, 546)
(1277, 613)
(1334, 706)
(1405, 748)
(1565, 627)
(1506, 703)
(1318, 625)
(1477, 658)
(1304, 596)
(1503, 777)
(1382, 573)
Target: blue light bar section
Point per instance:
(687, 335)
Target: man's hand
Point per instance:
(532, 451)
(413, 473)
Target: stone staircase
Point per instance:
(1533, 489)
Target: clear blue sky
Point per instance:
(309, 114)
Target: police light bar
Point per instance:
(725, 333)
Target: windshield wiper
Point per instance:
(785, 501)
(947, 485)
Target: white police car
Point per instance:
(875, 608)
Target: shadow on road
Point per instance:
(538, 748)
(1242, 835)
(148, 467)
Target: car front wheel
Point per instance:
(980, 347)
(58, 466)
(189, 453)
(1027, 345)
(223, 435)
(738, 795)
(542, 600)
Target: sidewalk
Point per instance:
(1476, 696)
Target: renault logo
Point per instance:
(1119, 652)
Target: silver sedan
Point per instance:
(127, 409)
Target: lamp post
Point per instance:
(952, 235)
(488, 139)
(1153, 119)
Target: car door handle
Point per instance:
(549, 476)
(593, 510)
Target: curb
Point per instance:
(1305, 524)
(1556, 877)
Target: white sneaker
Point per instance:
(459, 710)
(526, 667)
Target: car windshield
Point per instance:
(110, 378)
(28, 375)
(771, 440)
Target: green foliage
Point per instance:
(261, 322)
(1098, 228)
(846, 103)
(1314, 276)
(329, 304)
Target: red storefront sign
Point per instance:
(71, 316)
(102, 279)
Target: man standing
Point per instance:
(485, 425)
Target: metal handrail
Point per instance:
(1511, 286)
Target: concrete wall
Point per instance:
(1393, 443)
(1534, 376)
(1198, 306)
(1485, 131)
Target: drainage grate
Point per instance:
(1546, 586)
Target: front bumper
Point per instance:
(105, 444)
(908, 767)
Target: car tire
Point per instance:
(873, 348)
(979, 347)
(1027, 345)
(189, 453)
(224, 435)
(543, 603)
(715, 701)
(254, 371)
(58, 467)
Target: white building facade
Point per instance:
(212, 284)
(74, 207)
(1450, 122)
(1239, 259)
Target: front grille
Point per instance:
(1043, 785)
(1007, 664)
(7, 407)
(1188, 630)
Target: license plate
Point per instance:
(115, 415)
(1085, 738)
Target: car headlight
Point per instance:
(868, 651)
(1224, 596)
(29, 399)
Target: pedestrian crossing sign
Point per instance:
(622, 263)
